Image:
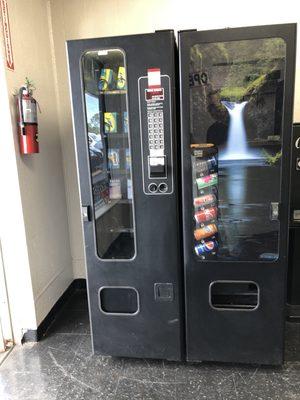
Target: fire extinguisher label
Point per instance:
(29, 111)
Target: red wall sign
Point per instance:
(6, 35)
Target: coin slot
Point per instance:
(163, 187)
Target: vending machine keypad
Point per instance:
(156, 130)
(156, 139)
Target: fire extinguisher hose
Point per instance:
(22, 126)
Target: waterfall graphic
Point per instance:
(237, 148)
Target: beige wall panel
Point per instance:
(41, 176)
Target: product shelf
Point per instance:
(101, 210)
(98, 176)
(112, 92)
(115, 135)
(104, 208)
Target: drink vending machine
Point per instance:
(186, 261)
(236, 117)
(293, 295)
(123, 97)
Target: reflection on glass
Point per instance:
(104, 78)
(236, 96)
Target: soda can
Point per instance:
(201, 167)
(206, 215)
(204, 166)
(205, 232)
(204, 200)
(209, 190)
(207, 181)
(206, 247)
(212, 162)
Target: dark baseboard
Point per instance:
(34, 335)
(79, 283)
(30, 336)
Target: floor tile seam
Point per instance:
(58, 349)
(235, 388)
(71, 377)
(76, 352)
(147, 381)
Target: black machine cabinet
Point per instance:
(293, 297)
(236, 122)
(123, 97)
(236, 107)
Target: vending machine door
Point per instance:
(123, 97)
(293, 292)
(236, 119)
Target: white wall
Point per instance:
(12, 229)
(97, 18)
(43, 214)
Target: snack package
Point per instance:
(128, 159)
(121, 79)
(125, 122)
(129, 188)
(110, 122)
(106, 79)
(115, 189)
(113, 158)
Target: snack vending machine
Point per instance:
(123, 97)
(236, 123)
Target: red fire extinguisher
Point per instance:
(27, 121)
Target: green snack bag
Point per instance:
(110, 122)
(121, 81)
(106, 78)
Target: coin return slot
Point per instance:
(118, 300)
(152, 187)
(162, 187)
(234, 295)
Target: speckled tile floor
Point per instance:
(61, 367)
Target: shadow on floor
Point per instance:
(61, 367)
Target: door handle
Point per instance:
(86, 213)
(274, 208)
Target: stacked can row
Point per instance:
(205, 192)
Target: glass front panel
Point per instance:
(236, 105)
(105, 86)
